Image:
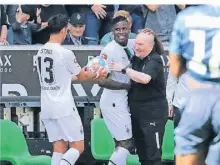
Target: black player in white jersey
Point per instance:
(114, 99)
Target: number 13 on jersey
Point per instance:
(45, 67)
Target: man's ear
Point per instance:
(130, 30)
(64, 31)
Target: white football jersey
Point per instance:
(116, 53)
(56, 67)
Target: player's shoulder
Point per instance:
(110, 47)
(156, 57)
(194, 11)
(65, 51)
(188, 15)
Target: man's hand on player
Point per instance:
(116, 66)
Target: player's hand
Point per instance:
(102, 73)
(115, 66)
(99, 11)
(170, 111)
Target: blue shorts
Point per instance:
(199, 127)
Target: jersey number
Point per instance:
(49, 70)
(199, 38)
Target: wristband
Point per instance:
(123, 71)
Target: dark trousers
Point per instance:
(148, 131)
(148, 137)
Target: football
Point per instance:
(97, 63)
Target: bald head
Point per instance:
(146, 37)
(144, 44)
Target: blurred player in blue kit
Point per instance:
(195, 47)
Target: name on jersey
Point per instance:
(46, 51)
(53, 88)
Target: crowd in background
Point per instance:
(89, 24)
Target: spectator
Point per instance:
(11, 17)
(107, 38)
(22, 29)
(160, 18)
(46, 12)
(76, 9)
(3, 27)
(136, 14)
(76, 30)
(11, 13)
(98, 22)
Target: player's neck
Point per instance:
(55, 39)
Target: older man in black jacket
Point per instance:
(147, 97)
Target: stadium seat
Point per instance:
(168, 142)
(14, 148)
(102, 143)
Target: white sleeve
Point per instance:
(71, 63)
(107, 53)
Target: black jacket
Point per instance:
(68, 41)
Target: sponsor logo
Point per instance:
(5, 64)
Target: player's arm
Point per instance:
(76, 70)
(170, 87)
(139, 77)
(177, 64)
(136, 76)
(85, 75)
(113, 85)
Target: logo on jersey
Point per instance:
(127, 129)
(105, 56)
(75, 60)
(81, 129)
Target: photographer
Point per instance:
(147, 96)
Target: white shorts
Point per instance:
(68, 128)
(118, 123)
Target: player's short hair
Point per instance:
(123, 13)
(57, 22)
(118, 19)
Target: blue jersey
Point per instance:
(196, 37)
